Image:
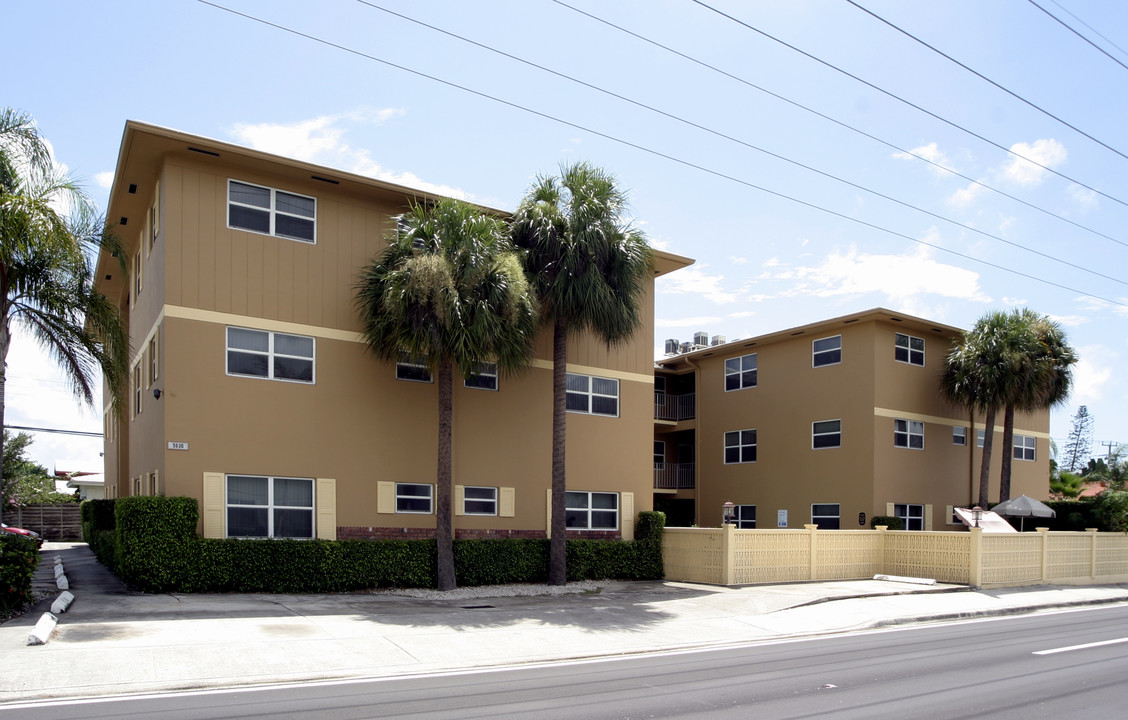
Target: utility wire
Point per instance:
(1070, 29)
(986, 79)
(651, 151)
(738, 141)
(1095, 31)
(81, 433)
(900, 99)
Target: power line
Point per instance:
(840, 123)
(900, 99)
(80, 433)
(738, 141)
(651, 151)
(1074, 31)
(986, 79)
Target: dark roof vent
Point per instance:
(132, 188)
(203, 152)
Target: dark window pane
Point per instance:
(246, 364)
(732, 365)
(576, 518)
(902, 354)
(293, 492)
(604, 519)
(577, 402)
(293, 369)
(827, 426)
(240, 339)
(413, 372)
(294, 204)
(748, 454)
(732, 455)
(603, 386)
(480, 507)
(826, 523)
(576, 383)
(604, 500)
(748, 378)
(246, 522)
(249, 194)
(248, 219)
(416, 505)
(243, 490)
(825, 441)
(604, 405)
(575, 499)
(293, 523)
(916, 441)
(732, 382)
(292, 227)
(293, 345)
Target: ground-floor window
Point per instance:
(825, 515)
(744, 517)
(591, 510)
(912, 516)
(479, 500)
(414, 498)
(264, 507)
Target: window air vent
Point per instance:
(203, 152)
(132, 188)
(123, 221)
(109, 277)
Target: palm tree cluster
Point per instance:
(49, 238)
(1014, 362)
(457, 287)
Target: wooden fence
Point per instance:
(53, 522)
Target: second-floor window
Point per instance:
(826, 351)
(908, 434)
(826, 434)
(740, 446)
(485, 378)
(271, 212)
(270, 355)
(592, 395)
(1024, 447)
(909, 349)
(740, 372)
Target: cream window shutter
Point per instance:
(214, 505)
(951, 510)
(459, 499)
(889, 509)
(326, 509)
(548, 514)
(927, 517)
(506, 502)
(627, 515)
(385, 497)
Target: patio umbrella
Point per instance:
(1023, 507)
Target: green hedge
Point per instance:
(19, 557)
(154, 548)
(891, 522)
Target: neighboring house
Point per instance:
(71, 475)
(830, 423)
(252, 390)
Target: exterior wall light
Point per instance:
(728, 514)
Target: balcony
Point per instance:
(673, 476)
(675, 407)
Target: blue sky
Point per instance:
(380, 95)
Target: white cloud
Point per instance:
(104, 179)
(694, 281)
(967, 195)
(1044, 152)
(321, 140)
(1071, 320)
(694, 322)
(1084, 198)
(1015, 302)
(743, 314)
(1092, 372)
(738, 260)
(930, 152)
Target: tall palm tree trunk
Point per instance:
(557, 548)
(5, 342)
(444, 533)
(985, 465)
(1007, 453)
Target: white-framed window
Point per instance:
(591, 510)
(413, 369)
(740, 372)
(744, 517)
(912, 516)
(826, 351)
(908, 349)
(908, 434)
(959, 435)
(484, 377)
(740, 446)
(138, 279)
(1024, 447)
(270, 355)
(269, 507)
(659, 453)
(826, 434)
(825, 515)
(979, 435)
(137, 386)
(592, 395)
(416, 498)
(659, 385)
(271, 212)
(154, 358)
(479, 500)
(155, 218)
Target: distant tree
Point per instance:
(1114, 471)
(1066, 485)
(26, 482)
(1111, 509)
(1095, 466)
(1080, 441)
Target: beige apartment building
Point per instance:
(252, 391)
(830, 424)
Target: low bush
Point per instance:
(19, 556)
(892, 522)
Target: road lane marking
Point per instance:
(1081, 647)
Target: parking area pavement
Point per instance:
(113, 640)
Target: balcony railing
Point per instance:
(675, 407)
(673, 476)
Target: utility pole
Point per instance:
(1110, 445)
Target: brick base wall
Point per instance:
(393, 533)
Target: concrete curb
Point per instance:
(998, 612)
(41, 633)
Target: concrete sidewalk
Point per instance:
(115, 641)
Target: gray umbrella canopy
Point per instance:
(1024, 506)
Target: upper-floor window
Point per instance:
(278, 507)
(1024, 447)
(908, 434)
(659, 453)
(591, 510)
(484, 377)
(909, 349)
(740, 372)
(155, 216)
(137, 395)
(154, 358)
(592, 395)
(826, 351)
(138, 279)
(959, 435)
(740, 446)
(271, 355)
(272, 212)
(412, 368)
(826, 434)
(979, 436)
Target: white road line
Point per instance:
(1081, 647)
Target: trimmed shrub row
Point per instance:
(150, 542)
(19, 556)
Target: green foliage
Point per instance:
(891, 522)
(19, 557)
(26, 482)
(1111, 510)
(1080, 441)
(150, 538)
(1067, 484)
(498, 562)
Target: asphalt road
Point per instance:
(1054, 665)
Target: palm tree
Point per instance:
(589, 269)
(449, 290)
(49, 236)
(1042, 376)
